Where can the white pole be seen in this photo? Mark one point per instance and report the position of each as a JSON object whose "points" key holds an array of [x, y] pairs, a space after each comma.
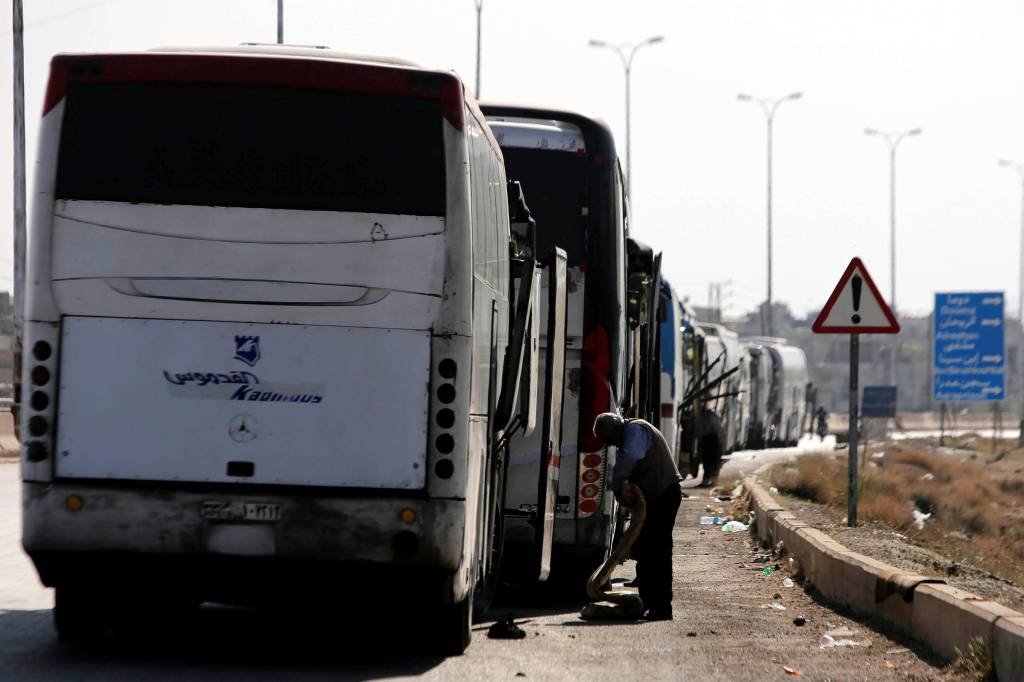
{"points": [[280, 22], [479, 12], [19, 186]]}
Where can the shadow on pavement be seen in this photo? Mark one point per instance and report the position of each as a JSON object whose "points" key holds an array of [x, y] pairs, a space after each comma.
{"points": [[599, 623], [881, 627], [223, 643]]}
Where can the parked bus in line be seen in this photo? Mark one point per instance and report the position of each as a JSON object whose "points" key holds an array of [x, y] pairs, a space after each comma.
{"points": [[724, 352], [267, 329], [787, 397], [568, 167], [670, 355], [778, 391]]}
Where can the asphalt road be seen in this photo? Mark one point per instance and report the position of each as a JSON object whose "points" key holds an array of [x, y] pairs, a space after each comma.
{"points": [[721, 631]]}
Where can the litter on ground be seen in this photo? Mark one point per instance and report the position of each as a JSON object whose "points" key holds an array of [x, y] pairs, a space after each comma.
{"points": [[843, 637]]}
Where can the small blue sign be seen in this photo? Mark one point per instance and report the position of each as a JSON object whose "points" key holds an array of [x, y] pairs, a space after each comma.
{"points": [[879, 401], [970, 347]]}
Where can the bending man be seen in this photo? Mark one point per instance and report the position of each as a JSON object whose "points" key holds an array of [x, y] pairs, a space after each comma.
{"points": [[645, 461]]}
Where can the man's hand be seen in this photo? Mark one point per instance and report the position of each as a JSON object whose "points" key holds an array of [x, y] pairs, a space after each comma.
{"points": [[627, 497]]}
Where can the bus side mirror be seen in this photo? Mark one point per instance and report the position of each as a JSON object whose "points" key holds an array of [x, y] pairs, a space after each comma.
{"points": [[524, 227]]}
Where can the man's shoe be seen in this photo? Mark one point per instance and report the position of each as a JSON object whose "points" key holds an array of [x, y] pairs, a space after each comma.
{"points": [[659, 613]]}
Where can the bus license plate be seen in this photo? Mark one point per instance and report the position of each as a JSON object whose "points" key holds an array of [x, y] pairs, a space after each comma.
{"points": [[215, 510]]}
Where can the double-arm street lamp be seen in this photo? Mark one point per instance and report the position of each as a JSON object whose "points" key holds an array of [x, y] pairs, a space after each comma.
{"points": [[626, 52], [1019, 167], [1006, 163], [769, 105], [892, 142], [479, 13]]}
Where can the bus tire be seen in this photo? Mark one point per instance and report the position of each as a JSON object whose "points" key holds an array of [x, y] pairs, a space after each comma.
{"points": [[454, 630], [79, 615]]}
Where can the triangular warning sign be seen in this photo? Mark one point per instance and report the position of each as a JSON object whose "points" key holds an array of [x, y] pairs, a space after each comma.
{"points": [[855, 306]]}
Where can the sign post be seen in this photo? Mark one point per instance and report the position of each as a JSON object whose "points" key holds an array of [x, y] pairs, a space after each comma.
{"points": [[855, 307]]}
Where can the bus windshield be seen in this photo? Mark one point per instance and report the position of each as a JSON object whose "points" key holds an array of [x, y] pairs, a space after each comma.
{"points": [[252, 146]]}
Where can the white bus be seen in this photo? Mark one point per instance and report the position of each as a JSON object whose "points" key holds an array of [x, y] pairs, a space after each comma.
{"points": [[267, 315]]}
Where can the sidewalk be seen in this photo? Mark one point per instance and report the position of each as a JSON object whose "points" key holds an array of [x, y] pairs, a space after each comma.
{"points": [[723, 597]]}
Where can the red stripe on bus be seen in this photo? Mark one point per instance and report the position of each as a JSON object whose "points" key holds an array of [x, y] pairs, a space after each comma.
{"points": [[271, 70]]}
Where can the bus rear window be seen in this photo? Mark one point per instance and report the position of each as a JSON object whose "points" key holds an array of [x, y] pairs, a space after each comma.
{"points": [[252, 146], [555, 186]]}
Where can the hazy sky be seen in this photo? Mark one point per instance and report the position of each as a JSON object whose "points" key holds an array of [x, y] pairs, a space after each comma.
{"points": [[698, 154]]}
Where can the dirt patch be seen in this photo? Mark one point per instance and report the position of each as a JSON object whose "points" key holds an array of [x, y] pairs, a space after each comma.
{"points": [[935, 511]]}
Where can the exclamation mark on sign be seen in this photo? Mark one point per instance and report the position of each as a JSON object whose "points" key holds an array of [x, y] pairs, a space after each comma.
{"points": [[855, 283]]}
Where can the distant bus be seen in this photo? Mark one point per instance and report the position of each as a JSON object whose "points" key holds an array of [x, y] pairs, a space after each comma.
{"points": [[268, 307], [760, 370], [568, 167], [724, 350], [670, 355], [778, 378], [787, 404]]}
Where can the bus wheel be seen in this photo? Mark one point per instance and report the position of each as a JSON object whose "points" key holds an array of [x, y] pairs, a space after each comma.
{"points": [[80, 615], [453, 632]]}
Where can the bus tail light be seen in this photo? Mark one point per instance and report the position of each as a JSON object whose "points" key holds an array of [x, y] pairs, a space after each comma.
{"points": [[667, 410], [448, 427], [595, 398], [591, 483], [36, 416]]}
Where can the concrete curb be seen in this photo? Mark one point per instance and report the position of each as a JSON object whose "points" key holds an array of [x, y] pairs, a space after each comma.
{"points": [[926, 609]]}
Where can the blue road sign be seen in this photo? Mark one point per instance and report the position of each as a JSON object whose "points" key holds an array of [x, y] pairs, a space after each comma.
{"points": [[970, 355], [879, 401]]}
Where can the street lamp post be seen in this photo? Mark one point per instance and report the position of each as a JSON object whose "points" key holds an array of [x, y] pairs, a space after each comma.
{"points": [[1006, 163], [626, 52], [479, 13], [892, 141], [769, 106], [280, 22]]}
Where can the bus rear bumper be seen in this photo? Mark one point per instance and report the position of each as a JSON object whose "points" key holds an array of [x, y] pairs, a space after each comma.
{"points": [[119, 531]]}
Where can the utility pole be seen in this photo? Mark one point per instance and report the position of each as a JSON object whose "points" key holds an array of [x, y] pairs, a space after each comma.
{"points": [[1006, 163], [892, 141], [626, 52], [479, 33], [280, 22], [19, 192], [769, 106], [716, 306]]}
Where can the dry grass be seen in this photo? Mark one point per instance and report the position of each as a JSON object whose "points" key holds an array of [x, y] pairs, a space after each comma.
{"points": [[977, 510]]}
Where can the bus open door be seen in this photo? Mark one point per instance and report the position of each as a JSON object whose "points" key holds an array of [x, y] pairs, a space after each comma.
{"points": [[517, 407]]}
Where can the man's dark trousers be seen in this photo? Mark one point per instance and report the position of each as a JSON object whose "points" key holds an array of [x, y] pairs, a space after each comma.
{"points": [[653, 550]]}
